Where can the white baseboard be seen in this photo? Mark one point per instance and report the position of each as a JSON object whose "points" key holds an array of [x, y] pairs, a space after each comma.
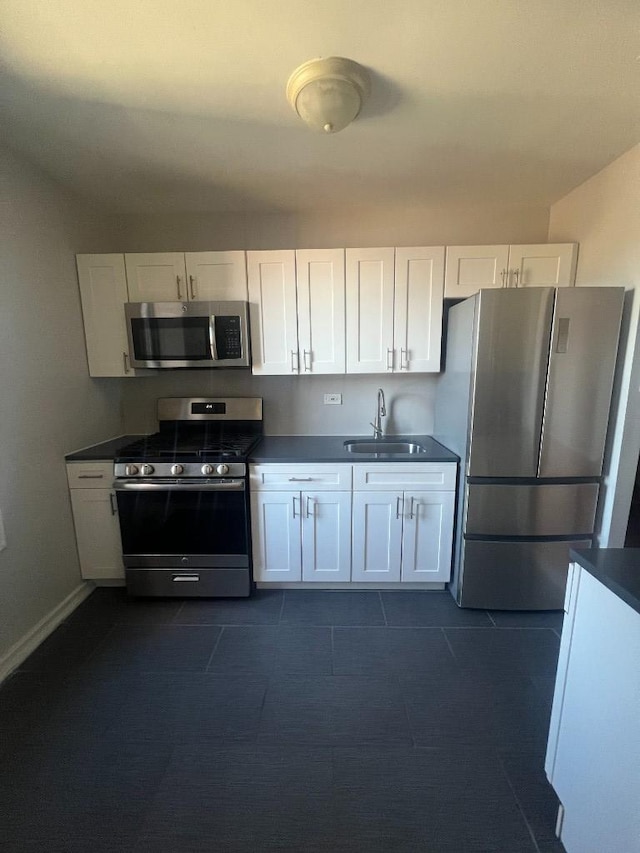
{"points": [[21, 650], [371, 587]]}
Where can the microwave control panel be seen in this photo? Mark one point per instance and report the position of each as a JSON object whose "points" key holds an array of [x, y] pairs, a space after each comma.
{"points": [[228, 337]]}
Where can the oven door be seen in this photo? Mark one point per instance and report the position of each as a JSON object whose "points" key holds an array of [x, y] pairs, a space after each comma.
{"points": [[183, 524]]}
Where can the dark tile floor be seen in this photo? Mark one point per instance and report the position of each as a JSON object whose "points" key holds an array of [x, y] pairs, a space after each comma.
{"points": [[291, 721]]}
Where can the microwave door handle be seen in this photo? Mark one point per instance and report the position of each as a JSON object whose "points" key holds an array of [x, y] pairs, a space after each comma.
{"points": [[213, 346]]}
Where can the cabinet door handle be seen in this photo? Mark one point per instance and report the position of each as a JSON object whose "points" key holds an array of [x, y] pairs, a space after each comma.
{"points": [[114, 505], [309, 504], [503, 276], [295, 361], [178, 287], [404, 359], [516, 277], [125, 361], [412, 513], [306, 353], [389, 358], [294, 506], [192, 283], [398, 499]]}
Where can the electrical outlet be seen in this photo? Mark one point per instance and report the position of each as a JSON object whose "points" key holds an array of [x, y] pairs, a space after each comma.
{"points": [[333, 399]]}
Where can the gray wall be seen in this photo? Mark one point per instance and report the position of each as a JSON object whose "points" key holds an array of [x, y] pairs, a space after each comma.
{"points": [[49, 403]]}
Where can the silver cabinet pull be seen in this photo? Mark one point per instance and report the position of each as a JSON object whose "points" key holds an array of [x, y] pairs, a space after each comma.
{"points": [[389, 358], [125, 361], [305, 353], [516, 277], [294, 506], [295, 361], [404, 359], [112, 501], [309, 505], [412, 513], [503, 276], [192, 283], [300, 479], [90, 476], [178, 287], [398, 499]]}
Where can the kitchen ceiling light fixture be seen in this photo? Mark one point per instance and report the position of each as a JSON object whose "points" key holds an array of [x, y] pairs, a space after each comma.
{"points": [[328, 93]]}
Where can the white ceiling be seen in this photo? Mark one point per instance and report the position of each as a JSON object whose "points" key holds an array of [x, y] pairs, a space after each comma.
{"points": [[179, 105]]}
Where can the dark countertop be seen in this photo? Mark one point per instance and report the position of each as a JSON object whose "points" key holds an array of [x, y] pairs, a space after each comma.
{"points": [[106, 450], [295, 448], [330, 448], [617, 568]]}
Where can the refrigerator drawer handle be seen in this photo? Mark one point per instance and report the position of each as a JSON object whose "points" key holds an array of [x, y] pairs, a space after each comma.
{"points": [[562, 342]]}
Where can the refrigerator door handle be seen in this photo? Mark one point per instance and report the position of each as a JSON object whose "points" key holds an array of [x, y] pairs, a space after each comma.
{"points": [[562, 341]]}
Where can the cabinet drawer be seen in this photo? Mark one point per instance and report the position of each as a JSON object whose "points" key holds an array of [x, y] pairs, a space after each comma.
{"points": [[90, 475], [320, 477], [386, 476]]}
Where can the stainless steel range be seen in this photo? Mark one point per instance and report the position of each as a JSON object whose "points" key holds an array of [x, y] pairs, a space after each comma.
{"points": [[183, 499]]}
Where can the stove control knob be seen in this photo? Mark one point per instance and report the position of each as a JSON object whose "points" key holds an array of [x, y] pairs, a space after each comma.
{"points": [[176, 470], [131, 470], [222, 469], [146, 470], [207, 469]]}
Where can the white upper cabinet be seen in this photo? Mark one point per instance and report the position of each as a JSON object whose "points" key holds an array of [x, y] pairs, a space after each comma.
{"points": [[417, 319], [321, 310], [216, 276], [297, 311], [553, 265], [103, 293], [469, 268], [156, 277], [370, 288], [190, 276], [273, 309], [394, 309]]}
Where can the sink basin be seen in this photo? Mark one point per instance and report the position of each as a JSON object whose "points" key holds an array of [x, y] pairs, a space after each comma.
{"points": [[382, 445]]}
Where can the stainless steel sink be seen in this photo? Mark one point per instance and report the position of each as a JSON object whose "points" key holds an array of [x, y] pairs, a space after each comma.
{"points": [[382, 445]]}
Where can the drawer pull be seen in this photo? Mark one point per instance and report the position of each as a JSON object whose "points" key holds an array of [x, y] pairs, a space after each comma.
{"points": [[185, 578], [91, 476], [300, 479]]}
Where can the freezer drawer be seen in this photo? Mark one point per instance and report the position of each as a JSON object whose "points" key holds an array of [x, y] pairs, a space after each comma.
{"points": [[539, 510], [523, 575]]}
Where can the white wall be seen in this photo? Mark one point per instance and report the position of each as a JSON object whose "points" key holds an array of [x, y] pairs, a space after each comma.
{"points": [[49, 403], [294, 405], [603, 215]]}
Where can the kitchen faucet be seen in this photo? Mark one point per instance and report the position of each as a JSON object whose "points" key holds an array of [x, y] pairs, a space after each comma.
{"points": [[380, 413]]}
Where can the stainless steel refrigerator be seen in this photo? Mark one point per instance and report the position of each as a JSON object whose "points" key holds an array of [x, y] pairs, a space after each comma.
{"points": [[524, 401]]}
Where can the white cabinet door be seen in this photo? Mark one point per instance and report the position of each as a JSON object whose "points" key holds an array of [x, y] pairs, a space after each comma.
{"points": [[156, 277], [216, 276], [468, 268], [370, 289], [97, 533], [321, 310], [377, 536], [545, 265], [326, 536], [273, 307], [426, 536], [103, 293], [417, 335], [276, 536]]}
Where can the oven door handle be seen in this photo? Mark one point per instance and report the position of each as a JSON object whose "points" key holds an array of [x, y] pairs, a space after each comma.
{"points": [[168, 486]]}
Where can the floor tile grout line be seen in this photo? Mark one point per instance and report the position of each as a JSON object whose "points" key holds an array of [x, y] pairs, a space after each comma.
{"points": [[488, 612], [333, 656], [448, 642], [215, 647], [384, 612], [518, 803], [284, 593]]}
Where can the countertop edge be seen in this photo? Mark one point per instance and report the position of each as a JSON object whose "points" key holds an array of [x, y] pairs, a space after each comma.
{"points": [[618, 569]]}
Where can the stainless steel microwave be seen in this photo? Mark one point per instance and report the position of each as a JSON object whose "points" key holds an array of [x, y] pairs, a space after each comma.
{"points": [[188, 334]]}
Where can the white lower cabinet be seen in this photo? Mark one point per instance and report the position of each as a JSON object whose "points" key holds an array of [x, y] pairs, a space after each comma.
{"points": [[322, 532], [402, 536], [95, 517]]}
